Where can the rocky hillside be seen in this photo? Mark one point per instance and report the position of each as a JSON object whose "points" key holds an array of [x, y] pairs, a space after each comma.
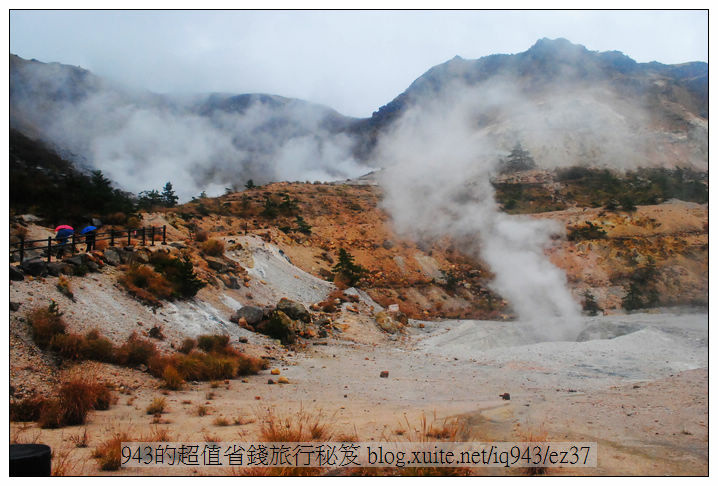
{"points": [[568, 105], [266, 263]]}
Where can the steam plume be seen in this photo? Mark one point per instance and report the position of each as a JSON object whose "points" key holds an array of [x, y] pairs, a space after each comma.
{"points": [[438, 183]]}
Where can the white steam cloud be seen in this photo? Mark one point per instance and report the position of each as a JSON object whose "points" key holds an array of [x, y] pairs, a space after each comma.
{"points": [[141, 140], [438, 183]]}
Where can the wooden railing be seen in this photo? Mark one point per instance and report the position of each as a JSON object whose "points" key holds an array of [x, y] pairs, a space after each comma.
{"points": [[146, 234]]}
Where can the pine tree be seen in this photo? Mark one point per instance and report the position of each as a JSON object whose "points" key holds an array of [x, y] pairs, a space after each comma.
{"points": [[303, 226], [168, 196], [518, 160], [150, 199], [347, 269]]}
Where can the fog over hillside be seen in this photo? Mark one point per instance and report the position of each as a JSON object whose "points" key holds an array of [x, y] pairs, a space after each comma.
{"points": [[565, 104]]}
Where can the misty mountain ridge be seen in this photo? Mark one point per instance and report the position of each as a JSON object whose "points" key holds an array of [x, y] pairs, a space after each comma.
{"points": [[565, 104]]}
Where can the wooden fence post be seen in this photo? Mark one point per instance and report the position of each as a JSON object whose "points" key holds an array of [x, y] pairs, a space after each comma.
{"points": [[143, 236], [152, 235], [164, 234], [22, 248], [49, 248], [73, 243], [112, 237], [129, 233]]}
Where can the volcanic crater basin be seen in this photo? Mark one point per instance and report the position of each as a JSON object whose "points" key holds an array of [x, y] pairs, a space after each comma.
{"points": [[634, 384]]}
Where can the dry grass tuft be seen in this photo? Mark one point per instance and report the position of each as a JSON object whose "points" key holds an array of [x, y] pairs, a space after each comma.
{"points": [[239, 420], [201, 236], [108, 454], [97, 348], [187, 346], [80, 441], [135, 351], [156, 434], [75, 398], [534, 435], [27, 409], [19, 436], [157, 406], [46, 323], [146, 285], [213, 342], [209, 437], [172, 380], [202, 410], [303, 426], [62, 464], [213, 247], [221, 422]]}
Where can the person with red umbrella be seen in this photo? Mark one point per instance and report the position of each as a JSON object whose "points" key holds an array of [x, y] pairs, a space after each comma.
{"points": [[63, 232]]}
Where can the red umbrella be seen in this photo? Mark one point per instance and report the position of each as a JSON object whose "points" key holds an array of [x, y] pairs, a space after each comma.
{"points": [[64, 226]]}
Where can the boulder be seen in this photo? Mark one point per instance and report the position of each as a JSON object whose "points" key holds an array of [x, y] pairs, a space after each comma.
{"points": [[16, 274], [56, 268], [253, 315], [323, 321], [295, 310], [93, 267], [177, 244], [111, 257], [142, 256], [77, 260], [30, 218], [127, 254], [37, 267], [230, 281], [387, 323], [242, 322], [401, 318], [216, 264], [281, 327]]}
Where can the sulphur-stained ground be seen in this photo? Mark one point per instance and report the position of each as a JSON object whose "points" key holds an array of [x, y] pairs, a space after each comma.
{"points": [[636, 384], [441, 279]]}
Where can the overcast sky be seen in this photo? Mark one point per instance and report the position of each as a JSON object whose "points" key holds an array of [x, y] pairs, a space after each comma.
{"points": [[351, 61]]}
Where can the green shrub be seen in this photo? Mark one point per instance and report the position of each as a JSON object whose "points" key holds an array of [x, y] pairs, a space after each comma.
{"points": [[180, 273], [146, 285], [590, 306], [588, 231], [347, 269]]}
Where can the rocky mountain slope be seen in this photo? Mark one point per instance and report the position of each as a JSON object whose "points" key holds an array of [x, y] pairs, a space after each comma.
{"points": [[567, 105]]}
